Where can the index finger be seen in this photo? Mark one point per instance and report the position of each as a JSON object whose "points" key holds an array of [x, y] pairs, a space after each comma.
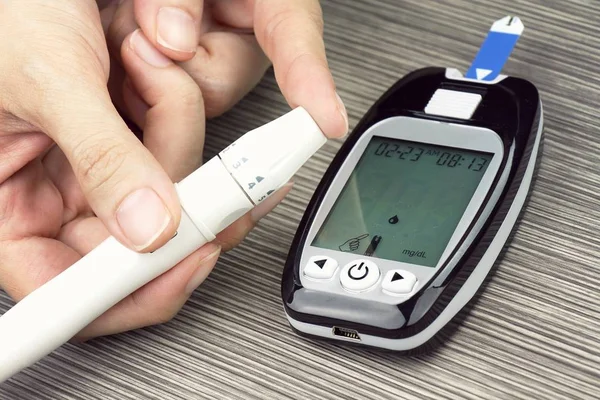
{"points": [[291, 34]]}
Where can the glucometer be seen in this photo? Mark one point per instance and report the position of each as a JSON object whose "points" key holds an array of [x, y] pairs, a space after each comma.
{"points": [[415, 209]]}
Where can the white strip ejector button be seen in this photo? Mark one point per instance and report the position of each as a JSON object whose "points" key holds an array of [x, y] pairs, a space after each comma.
{"points": [[452, 103]]}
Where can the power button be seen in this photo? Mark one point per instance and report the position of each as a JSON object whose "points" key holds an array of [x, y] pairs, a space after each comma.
{"points": [[359, 275]]}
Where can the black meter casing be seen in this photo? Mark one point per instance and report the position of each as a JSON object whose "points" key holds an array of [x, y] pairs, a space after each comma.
{"points": [[511, 108]]}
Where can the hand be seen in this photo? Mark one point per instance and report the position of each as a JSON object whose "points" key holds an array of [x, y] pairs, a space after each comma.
{"points": [[222, 45], [353, 244], [72, 173]]}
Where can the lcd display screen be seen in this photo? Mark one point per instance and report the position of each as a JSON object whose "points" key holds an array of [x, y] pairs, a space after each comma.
{"points": [[403, 201]]}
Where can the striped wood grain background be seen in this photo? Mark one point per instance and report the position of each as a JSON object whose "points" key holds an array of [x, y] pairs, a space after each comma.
{"points": [[535, 332]]}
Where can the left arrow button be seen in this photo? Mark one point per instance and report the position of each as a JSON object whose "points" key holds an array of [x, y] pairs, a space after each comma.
{"points": [[320, 267]]}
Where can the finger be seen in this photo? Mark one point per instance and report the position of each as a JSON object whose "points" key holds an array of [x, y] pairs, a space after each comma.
{"points": [[172, 26], [30, 213], [123, 183], [234, 234], [290, 32], [30, 204], [116, 88], [26, 264], [226, 67], [233, 13], [158, 301], [21, 272], [106, 15], [125, 98], [83, 234], [174, 123], [61, 174], [18, 149], [122, 24], [136, 107]]}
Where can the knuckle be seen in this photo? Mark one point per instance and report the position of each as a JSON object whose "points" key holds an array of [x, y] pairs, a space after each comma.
{"points": [[316, 16], [42, 75], [289, 72], [38, 75], [190, 96], [52, 79], [220, 93], [279, 20], [98, 163], [218, 101], [306, 18]]}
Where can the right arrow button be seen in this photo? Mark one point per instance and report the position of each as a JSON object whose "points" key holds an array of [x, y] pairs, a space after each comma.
{"points": [[396, 276], [398, 282]]}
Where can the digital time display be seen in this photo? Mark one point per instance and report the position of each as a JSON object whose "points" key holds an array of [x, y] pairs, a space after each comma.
{"points": [[403, 201], [444, 158]]}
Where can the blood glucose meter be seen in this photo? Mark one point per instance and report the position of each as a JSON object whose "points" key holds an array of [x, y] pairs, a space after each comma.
{"points": [[414, 210]]}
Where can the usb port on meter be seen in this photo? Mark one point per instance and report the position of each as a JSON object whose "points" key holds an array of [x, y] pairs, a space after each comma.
{"points": [[345, 333]]}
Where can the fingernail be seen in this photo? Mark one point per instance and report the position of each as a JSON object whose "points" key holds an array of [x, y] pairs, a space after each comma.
{"points": [[146, 51], [343, 111], [143, 217], [176, 30], [261, 210], [203, 269]]}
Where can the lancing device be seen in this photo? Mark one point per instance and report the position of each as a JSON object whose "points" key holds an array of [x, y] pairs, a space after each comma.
{"points": [[214, 196]]}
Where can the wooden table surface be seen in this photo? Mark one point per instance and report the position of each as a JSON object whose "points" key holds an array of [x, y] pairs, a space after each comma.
{"points": [[534, 333]]}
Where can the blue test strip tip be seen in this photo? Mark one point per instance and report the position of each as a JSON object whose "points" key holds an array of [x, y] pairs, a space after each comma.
{"points": [[496, 49]]}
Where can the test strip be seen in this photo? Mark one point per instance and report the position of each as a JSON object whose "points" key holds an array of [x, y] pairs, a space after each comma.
{"points": [[496, 49], [373, 245]]}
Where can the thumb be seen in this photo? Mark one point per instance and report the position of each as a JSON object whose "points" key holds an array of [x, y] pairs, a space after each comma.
{"points": [[124, 184]]}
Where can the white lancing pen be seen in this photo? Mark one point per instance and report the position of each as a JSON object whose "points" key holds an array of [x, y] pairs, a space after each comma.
{"points": [[212, 197]]}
